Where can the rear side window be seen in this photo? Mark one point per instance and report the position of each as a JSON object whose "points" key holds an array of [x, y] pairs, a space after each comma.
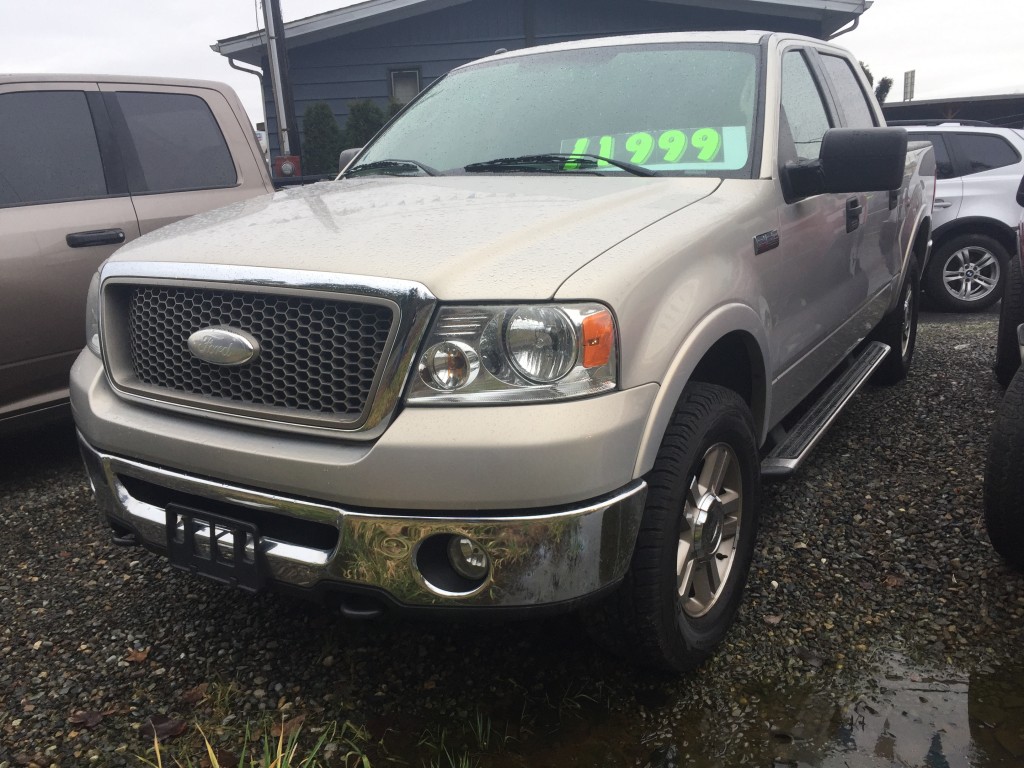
{"points": [[49, 148], [984, 152], [848, 92], [944, 165], [177, 141]]}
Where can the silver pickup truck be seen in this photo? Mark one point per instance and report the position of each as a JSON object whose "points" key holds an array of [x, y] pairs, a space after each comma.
{"points": [[533, 350]]}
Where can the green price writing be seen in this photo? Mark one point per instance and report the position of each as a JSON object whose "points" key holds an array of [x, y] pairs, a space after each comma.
{"points": [[672, 147]]}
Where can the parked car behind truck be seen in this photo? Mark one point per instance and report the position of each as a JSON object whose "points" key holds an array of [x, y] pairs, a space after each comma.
{"points": [[533, 352], [91, 163], [980, 170]]}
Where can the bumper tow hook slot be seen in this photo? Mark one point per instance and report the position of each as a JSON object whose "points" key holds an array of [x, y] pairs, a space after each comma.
{"points": [[126, 539]]}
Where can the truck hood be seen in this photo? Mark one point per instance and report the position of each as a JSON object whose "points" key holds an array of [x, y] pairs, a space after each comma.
{"points": [[463, 237]]}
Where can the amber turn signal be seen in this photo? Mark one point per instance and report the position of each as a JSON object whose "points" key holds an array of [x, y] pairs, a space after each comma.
{"points": [[598, 339]]}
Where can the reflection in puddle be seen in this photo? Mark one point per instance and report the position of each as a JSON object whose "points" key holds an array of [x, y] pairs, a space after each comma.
{"points": [[903, 716]]}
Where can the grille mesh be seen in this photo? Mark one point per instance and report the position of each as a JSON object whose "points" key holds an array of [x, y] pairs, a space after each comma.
{"points": [[316, 355]]}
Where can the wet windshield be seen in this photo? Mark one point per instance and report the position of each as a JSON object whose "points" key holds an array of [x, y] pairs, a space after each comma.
{"points": [[672, 109]]}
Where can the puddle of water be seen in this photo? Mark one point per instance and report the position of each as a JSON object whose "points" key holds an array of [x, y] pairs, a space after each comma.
{"points": [[903, 716]]}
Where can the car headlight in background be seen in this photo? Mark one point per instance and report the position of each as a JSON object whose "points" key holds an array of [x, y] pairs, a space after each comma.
{"points": [[92, 316], [516, 353]]}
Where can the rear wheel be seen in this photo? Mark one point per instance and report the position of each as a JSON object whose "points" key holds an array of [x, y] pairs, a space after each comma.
{"points": [[696, 540], [1004, 476], [898, 329], [966, 274]]}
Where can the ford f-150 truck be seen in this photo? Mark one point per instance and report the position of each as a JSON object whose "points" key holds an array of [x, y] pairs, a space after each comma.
{"points": [[532, 351]]}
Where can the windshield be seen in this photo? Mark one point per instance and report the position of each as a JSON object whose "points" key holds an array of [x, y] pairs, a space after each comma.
{"points": [[675, 109]]}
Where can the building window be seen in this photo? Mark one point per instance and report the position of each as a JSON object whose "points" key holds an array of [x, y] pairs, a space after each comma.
{"points": [[405, 85]]}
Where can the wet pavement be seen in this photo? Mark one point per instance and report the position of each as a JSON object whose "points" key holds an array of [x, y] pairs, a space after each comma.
{"points": [[879, 630], [902, 715]]}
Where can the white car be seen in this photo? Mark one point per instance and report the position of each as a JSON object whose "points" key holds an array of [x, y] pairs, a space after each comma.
{"points": [[980, 169]]}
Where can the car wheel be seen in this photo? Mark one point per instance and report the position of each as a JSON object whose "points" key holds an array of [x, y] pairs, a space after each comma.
{"points": [[1004, 480], [696, 539], [898, 329], [1011, 315], [966, 274]]}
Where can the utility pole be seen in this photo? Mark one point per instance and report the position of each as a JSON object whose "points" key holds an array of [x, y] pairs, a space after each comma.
{"points": [[287, 164]]}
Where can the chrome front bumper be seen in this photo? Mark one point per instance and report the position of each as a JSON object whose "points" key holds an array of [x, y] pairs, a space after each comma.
{"points": [[541, 557]]}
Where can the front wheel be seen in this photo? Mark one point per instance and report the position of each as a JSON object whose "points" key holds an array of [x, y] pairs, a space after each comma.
{"points": [[696, 539], [966, 274], [1004, 479]]}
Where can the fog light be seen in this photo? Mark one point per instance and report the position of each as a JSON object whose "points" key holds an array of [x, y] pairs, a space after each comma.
{"points": [[450, 365], [468, 558]]}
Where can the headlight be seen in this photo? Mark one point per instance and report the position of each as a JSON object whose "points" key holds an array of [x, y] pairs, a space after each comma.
{"points": [[541, 343], [92, 315], [509, 353]]}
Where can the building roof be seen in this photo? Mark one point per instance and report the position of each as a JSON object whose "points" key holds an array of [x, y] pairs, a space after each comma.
{"points": [[832, 14], [1005, 110]]}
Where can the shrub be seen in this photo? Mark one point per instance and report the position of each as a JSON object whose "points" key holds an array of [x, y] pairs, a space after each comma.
{"points": [[322, 140], [364, 120]]}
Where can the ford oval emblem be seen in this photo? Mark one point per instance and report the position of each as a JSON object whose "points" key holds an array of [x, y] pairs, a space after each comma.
{"points": [[223, 345]]}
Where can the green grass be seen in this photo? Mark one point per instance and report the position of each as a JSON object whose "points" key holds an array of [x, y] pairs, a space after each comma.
{"points": [[267, 751]]}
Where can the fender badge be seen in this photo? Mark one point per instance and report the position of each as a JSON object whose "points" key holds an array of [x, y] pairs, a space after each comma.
{"points": [[223, 345], [766, 241]]}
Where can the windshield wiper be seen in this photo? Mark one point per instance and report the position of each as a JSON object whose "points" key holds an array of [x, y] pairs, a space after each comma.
{"points": [[393, 165], [579, 158]]}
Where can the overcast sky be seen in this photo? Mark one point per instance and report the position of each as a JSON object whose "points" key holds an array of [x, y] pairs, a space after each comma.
{"points": [[958, 48]]}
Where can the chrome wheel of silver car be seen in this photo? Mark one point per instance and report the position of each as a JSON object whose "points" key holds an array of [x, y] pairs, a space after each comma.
{"points": [[971, 273], [966, 273], [709, 530]]}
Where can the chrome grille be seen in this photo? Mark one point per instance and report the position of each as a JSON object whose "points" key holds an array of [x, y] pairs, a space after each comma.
{"points": [[318, 355]]}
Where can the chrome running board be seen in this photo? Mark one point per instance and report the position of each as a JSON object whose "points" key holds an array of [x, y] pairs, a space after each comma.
{"points": [[790, 453]]}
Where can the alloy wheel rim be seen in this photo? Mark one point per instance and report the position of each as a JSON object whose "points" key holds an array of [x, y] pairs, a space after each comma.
{"points": [[971, 273], [709, 530]]}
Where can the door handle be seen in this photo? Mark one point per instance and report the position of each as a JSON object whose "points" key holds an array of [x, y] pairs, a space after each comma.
{"points": [[942, 204], [95, 237], [853, 212]]}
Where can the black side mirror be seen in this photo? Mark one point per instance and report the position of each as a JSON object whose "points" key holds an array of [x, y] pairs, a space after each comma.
{"points": [[864, 159], [346, 157], [851, 160]]}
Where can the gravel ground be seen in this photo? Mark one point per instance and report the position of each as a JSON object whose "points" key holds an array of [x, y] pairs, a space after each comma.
{"points": [[875, 546]]}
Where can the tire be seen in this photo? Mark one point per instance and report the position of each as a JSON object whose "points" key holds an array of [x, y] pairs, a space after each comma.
{"points": [[966, 274], [685, 582], [1011, 314], [898, 329], [1004, 478]]}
